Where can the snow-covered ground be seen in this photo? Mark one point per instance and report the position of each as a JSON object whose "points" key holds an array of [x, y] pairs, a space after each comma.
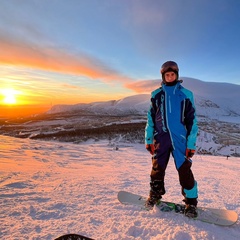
{"points": [[49, 188]]}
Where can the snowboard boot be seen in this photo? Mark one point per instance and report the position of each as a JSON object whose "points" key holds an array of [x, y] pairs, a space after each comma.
{"points": [[156, 191], [190, 211], [191, 207]]}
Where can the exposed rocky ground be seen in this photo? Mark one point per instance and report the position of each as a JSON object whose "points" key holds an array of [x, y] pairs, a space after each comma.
{"points": [[82, 126]]}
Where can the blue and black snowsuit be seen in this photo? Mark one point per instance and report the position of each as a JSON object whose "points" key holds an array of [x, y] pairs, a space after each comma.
{"points": [[172, 128]]}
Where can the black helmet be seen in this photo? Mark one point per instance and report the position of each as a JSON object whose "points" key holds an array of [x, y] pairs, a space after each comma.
{"points": [[169, 66]]}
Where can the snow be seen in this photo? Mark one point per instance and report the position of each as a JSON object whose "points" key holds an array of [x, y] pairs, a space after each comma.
{"points": [[49, 188]]}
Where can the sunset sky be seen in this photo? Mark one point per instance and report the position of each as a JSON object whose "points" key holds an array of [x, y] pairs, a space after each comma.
{"points": [[76, 51]]}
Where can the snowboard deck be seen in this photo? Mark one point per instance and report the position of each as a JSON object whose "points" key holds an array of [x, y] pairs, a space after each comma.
{"points": [[73, 237], [221, 217]]}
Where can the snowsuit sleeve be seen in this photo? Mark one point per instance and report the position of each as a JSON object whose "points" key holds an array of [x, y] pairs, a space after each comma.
{"points": [[191, 122], [150, 126]]}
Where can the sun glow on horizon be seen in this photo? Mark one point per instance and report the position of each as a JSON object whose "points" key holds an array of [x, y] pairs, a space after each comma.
{"points": [[9, 96]]}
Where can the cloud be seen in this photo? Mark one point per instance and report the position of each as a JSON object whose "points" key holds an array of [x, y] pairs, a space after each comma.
{"points": [[70, 86], [144, 86], [21, 53]]}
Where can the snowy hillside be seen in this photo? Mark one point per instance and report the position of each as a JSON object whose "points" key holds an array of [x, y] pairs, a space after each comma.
{"points": [[137, 104], [217, 109], [218, 101], [49, 188]]}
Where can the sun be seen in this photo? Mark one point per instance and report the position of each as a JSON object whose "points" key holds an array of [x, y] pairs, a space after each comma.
{"points": [[9, 96]]}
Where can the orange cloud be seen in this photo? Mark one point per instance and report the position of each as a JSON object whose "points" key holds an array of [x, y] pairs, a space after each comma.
{"points": [[144, 86], [69, 86], [19, 53]]}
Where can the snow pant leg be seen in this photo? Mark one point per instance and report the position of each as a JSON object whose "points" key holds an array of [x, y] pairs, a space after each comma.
{"points": [[186, 177], [157, 179], [188, 183], [158, 170], [159, 165], [160, 158]]}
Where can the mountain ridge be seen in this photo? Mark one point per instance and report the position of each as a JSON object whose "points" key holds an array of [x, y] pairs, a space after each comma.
{"points": [[213, 100]]}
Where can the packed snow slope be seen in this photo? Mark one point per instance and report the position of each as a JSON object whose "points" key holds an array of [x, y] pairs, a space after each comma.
{"points": [[49, 188], [212, 99]]}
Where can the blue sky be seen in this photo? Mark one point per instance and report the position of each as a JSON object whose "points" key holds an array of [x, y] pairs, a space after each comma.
{"points": [[71, 51]]}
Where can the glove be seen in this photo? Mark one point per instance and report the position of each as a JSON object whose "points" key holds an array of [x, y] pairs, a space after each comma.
{"points": [[189, 153], [150, 148]]}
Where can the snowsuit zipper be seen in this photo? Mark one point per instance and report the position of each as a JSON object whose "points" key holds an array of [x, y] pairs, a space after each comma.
{"points": [[168, 102]]}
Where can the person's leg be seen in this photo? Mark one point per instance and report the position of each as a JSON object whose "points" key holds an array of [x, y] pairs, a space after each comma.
{"points": [[159, 164], [186, 177], [187, 181]]}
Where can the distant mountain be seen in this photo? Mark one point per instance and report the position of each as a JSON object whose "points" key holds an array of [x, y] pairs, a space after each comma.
{"points": [[212, 99], [123, 121], [216, 100], [137, 104]]}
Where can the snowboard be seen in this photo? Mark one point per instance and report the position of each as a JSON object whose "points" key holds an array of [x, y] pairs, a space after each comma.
{"points": [[73, 237], [221, 217]]}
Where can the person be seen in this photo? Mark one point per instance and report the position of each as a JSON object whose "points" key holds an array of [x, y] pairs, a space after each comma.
{"points": [[172, 129]]}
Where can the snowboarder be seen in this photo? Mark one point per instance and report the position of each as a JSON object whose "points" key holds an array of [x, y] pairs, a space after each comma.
{"points": [[172, 129]]}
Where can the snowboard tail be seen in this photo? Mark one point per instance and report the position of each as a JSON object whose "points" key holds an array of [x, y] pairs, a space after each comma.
{"points": [[221, 217]]}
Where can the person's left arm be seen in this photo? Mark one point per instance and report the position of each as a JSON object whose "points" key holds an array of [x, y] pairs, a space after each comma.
{"points": [[191, 125]]}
